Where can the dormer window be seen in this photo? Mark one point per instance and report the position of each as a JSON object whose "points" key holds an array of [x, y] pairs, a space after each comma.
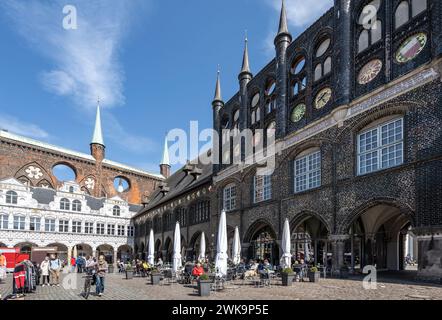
{"points": [[65, 204], [11, 197], [116, 211], [71, 189], [76, 206]]}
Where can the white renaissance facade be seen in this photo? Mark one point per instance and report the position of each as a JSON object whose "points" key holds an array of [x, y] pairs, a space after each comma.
{"points": [[67, 218]]}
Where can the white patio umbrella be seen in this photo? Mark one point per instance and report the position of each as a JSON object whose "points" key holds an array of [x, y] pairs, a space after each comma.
{"points": [[202, 255], [221, 247], [75, 253], [151, 249], [236, 248], [286, 259], [177, 263]]}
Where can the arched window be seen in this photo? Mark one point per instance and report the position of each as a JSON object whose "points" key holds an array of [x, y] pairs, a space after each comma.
{"points": [[262, 187], [270, 132], [402, 15], [76, 206], [371, 26], [11, 197], [199, 212], [229, 197], [181, 216], [271, 105], [381, 146], [116, 211], [298, 75], [408, 9], [307, 170], [324, 67], [65, 204]]}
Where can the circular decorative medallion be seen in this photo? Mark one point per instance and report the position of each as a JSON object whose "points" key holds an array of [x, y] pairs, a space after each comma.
{"points": [[34, 172], [323, 98], [370, 71], [298, 113], [411, 48]]}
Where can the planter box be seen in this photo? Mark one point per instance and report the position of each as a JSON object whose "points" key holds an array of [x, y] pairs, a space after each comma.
{"points": [[287, 279], [314, 276], [129, 275], [204, 288], [155, 278]]}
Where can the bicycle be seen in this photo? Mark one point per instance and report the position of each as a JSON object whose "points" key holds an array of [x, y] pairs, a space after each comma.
{"points": [[88, 282]]}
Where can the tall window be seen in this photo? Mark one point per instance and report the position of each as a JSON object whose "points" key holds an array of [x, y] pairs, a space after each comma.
{"points": [[63, 226], [381, 147], [121, 231], [111, 229], [50, 225], [199, 212], [76, 206], [180, 215], [4, 222], [270, 106], [35, 224], [76, 226], [371, 26], [408, 9], [11, 197], [100, 228], [116, 211], [262, 188], [89, 227], [19, 223], [65, 204], [130, 231], [230, 197], [308, 172]]}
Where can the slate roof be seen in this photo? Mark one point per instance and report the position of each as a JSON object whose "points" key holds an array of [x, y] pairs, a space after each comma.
{"points": [[43, 196], [179, 184]]}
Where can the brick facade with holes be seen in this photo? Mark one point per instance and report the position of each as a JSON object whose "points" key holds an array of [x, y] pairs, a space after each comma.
{"points": [[33, 164]]}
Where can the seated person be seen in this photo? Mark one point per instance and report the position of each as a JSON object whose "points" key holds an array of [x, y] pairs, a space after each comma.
{"points": [[198, 270]]}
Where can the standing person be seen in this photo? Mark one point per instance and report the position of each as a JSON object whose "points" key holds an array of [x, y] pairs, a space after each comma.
{"points": [[73, 264], [44, 269], [3, 266], [102, 268], [55, 267], [79, 264]]}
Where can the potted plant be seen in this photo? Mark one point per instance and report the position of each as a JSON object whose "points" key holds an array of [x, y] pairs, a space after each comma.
{"points": [[204, 285], [129, 272], [155, 276], [314, 275], [287, 277]]}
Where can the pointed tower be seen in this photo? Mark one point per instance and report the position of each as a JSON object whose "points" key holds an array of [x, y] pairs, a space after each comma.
{"points": [[97, 144], [282, 42], [217, 105], [245, 76], [165, 163]]}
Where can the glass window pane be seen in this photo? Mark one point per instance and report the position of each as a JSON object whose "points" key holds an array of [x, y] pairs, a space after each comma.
{"points": [[402, 15], [376, 32], [419, 6], [363, 41]]}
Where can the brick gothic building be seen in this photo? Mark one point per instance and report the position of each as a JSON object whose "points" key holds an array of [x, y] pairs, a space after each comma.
{"points": [[357, 106], [92, 214]]}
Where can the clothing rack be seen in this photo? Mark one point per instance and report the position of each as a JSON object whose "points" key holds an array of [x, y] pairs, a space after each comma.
{"points": [[24, 278]]}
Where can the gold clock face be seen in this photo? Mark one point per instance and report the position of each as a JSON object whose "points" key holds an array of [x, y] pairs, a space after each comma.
{"points": [[370, 71], [298, 113], [323, 98], [411, 48]]}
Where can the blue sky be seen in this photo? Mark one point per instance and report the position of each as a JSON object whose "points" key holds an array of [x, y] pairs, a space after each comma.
{"points": [[153, 63]]}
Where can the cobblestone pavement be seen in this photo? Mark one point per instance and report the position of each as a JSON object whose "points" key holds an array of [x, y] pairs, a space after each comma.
{"points": [[118, 288]]}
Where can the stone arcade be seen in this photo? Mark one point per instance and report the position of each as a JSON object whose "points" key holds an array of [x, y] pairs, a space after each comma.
{"points": [[358, 114]]}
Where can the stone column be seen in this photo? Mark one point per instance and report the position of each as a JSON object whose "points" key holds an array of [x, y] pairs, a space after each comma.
{"points": [[115, 261], [69, 257], [338, 248]]}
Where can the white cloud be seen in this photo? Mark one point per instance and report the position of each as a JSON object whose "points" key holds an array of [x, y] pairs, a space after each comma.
{"points": [[16, 126], [85, 61], [301, 13]]}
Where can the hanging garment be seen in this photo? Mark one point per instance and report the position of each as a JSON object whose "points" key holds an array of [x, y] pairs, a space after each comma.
{"points": [[19, 281]]}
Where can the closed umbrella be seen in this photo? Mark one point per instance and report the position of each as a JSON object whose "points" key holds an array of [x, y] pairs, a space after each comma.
{"points": [[221, 248], [202, 255], [75, 253], [286, 259], [236, 248], [151, 249], [177, 263]]}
